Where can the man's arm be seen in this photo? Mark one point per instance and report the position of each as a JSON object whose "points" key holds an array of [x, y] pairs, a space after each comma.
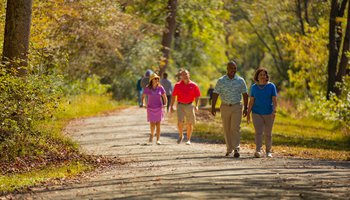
{"points": [[172, 103], [196, 103], [213, 103], [245, 103]]}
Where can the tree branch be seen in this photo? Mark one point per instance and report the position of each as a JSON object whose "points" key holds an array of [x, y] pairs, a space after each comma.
{"points": [[262, 40]]}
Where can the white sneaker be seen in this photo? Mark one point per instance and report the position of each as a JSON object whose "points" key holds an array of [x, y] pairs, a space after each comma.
{"points": [[269, 155], [158, 142], [188, 142], [257, 154]]}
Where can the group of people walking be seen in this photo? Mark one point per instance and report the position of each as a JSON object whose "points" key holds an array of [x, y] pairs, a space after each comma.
{"points": [[231, 88]]}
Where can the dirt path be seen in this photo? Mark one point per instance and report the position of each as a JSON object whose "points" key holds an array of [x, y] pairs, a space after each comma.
{"points": [[199, 171]]}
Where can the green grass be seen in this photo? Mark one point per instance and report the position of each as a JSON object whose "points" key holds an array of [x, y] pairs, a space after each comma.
{"points": [[12, 182], [49, 149], [304, 137], [79, 107], [87, 105]]}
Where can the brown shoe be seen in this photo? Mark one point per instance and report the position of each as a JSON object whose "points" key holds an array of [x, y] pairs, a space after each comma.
{"points": [[236, 154]]}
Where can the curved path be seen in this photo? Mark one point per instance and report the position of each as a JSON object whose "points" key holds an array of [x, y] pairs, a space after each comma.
{"points": [[198, 171]]}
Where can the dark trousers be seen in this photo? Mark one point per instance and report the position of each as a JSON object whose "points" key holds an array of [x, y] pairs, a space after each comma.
{"points": [[168, 103]]}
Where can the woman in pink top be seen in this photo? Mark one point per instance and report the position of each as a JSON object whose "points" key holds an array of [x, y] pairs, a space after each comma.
{"points": [[155, 107]]}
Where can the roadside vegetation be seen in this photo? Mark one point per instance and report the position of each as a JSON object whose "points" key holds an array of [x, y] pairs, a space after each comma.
{"points": [[50, 153], [79, 55]]}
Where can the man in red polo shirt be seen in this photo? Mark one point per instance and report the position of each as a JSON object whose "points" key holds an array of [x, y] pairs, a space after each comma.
{"points": [[186, 92]]}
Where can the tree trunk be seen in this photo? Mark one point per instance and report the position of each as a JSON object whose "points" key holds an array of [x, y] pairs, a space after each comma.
{"points": [[344, 62], [300, 16], [177, 43], [17, 31], [335, 39], [168, 35], [306, 11], [333, 51]]}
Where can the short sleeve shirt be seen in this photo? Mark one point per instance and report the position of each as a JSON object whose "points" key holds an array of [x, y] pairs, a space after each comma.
{"points": [[154, 97], [186, 93], [263, 104], [230, 90], [167, 86], [144, 82]]}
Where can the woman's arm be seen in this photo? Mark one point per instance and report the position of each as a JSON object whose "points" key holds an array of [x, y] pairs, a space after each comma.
{"points": [[165, 100], [250, 106], [274, 100], [142, 99]]}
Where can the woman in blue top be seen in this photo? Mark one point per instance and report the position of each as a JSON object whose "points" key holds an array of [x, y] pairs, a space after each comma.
{"points": [[263, 104]]}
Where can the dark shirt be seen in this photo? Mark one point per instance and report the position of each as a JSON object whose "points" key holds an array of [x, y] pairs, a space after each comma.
{"points": [[138, 85], [210, 92]]}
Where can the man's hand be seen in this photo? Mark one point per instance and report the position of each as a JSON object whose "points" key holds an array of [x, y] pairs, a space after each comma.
{"points": [[196, 108], [172, 109], [245, 111], [213, 111]]}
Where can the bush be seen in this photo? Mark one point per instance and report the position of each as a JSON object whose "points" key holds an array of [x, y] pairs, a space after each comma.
{"points": [[92, 85], [124, 86], [335, 109], [24, 100]]}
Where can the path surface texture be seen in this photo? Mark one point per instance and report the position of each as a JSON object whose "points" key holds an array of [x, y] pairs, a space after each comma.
{"points": [[197, 171]]}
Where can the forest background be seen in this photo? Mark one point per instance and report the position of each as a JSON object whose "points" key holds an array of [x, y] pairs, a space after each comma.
{"points": [[84, 49]]}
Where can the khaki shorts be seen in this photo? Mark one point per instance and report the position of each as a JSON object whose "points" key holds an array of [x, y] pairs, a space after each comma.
{"points": [[186, 111]]}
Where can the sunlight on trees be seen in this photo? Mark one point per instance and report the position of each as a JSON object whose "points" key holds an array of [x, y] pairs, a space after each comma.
{"points": [[113, 42]]}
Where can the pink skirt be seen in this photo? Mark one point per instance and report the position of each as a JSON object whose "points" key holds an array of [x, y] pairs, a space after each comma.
{"points": [[155, 114]]}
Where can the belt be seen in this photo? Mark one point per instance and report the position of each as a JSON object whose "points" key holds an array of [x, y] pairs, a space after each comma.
{"points": [[184, 103], [231, 104]]}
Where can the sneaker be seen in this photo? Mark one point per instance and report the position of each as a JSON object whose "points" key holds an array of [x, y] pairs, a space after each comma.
{"points": [[179, 140], [269, 155], [158, 142], [236, 154], [257, 154], [188, 142]]}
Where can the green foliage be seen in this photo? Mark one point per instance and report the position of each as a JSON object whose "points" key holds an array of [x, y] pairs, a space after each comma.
{"points": [[308, 74], [200, 46], [92, 85], [335, 109], [124, 87], [88, 38], [2, 24], [25, 100], [199, 41], [77, 45], [254, 29]]}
